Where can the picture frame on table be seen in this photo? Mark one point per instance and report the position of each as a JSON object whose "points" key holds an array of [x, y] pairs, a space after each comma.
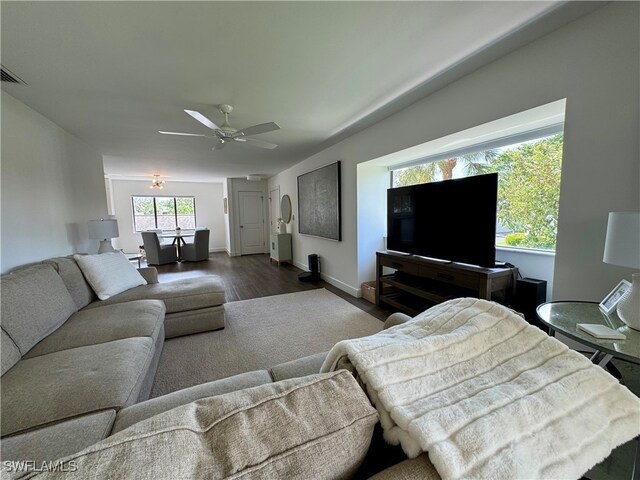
{"points": [[611, 301]]}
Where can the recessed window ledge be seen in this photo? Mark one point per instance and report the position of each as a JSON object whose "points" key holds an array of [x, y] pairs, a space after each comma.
{"points": [[530, 251]]}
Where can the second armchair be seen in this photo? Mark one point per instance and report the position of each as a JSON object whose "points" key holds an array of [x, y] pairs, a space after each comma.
{"points": [[158, 254], [199, 249]]}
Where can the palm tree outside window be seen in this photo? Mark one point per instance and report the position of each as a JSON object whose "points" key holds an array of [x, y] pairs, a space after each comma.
{"points": [[528, 187]]}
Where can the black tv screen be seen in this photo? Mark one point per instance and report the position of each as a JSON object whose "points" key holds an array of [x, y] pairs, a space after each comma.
{"points": [[451, 220]]}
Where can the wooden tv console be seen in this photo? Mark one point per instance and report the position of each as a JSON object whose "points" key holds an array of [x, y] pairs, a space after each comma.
{"points": [[418, 283]]}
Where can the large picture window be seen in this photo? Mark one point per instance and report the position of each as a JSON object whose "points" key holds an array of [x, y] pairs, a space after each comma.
{"points": [[163, 213], [528, 187]]}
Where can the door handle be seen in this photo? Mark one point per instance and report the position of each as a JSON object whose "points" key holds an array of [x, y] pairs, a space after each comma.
{"points": [[241, 226]]}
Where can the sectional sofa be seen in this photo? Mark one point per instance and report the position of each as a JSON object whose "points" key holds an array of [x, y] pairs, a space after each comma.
{"points": [[77, 372], [70, 362]]}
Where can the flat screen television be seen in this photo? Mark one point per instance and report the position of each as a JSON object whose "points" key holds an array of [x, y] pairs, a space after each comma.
{"points": [[452, 220]]}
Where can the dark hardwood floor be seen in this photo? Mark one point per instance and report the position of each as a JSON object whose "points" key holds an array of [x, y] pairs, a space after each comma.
{"points": [[253, 276]]}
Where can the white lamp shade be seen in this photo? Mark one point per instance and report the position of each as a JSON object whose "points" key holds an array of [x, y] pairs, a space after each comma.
{"points": [[103, 229], [622, 244]]}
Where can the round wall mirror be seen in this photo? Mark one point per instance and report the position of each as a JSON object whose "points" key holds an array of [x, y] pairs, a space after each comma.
{"points": [[285, 208]]}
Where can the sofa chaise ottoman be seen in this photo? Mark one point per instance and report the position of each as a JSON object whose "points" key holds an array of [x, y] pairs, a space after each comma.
{"points": [[193, 304]]}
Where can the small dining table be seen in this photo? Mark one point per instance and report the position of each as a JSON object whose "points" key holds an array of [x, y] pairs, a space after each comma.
{"points": [[178, 238]]}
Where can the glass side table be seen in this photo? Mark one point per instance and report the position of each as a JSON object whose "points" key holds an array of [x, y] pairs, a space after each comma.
{"points": [[563, 317], [134, 257]]}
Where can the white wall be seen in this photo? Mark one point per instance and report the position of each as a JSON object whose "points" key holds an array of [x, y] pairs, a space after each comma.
{"points": [[52, 184], [531, 264], [338, 262], [373, 183], [593, 63], [209, 209]]}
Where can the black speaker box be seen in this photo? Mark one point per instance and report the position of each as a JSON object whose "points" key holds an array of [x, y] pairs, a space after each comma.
{"points": [[530, 292], [314, 266], [313, 263]]}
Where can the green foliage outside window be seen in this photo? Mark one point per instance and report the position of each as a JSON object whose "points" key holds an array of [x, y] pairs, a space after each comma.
{"points": [[473, 164], [528, 186], [529, 190], [164, 213], [165, 206], [515, 239], [185, 205], [143, 205]]}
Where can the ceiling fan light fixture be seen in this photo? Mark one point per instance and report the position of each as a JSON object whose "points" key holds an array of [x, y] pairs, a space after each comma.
{"points": [[225, 133], [157, 183]]}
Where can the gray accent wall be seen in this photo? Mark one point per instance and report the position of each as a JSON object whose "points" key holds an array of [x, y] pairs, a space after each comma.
{"points": [[52, 184], [593, 62]]}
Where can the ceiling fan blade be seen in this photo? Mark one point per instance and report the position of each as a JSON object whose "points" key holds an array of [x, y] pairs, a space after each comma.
{"points": [[202, 119], [256, 143], [256, 129], [184, 134]]}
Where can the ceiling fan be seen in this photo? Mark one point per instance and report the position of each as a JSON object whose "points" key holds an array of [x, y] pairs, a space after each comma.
{"points": [[225, 133]]}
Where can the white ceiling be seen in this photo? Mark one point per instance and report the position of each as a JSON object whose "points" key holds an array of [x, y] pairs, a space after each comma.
{"points": [[114, 73]]}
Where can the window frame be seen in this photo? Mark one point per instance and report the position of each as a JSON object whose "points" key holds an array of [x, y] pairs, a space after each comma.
{"points": [[155, 209]]}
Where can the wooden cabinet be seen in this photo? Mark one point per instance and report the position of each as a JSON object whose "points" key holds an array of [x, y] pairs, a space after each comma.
{"points": [[416, 283], [280, 247]]}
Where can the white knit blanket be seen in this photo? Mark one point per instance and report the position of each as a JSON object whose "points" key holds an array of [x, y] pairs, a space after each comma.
{"points": [[489, 396]]}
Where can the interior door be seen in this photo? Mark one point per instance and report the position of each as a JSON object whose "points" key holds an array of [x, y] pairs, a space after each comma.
{"points": [[274, 209], [251, 223]]}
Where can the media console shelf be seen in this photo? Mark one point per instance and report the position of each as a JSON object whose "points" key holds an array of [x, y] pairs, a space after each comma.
{"points": [[418, 283]]}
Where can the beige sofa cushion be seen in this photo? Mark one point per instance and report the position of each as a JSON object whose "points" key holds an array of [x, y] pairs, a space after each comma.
{"points": [[143, 410], [194, 321], [142, 318], [179, 296], [58, 440], [8, 352], [290, 429], [61, 385], [72, 276], [35, 302], [299, 367], [419, 468]]}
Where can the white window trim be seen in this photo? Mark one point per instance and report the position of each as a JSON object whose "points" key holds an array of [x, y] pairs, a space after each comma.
{"points": [[155, 213], [480, 147], [530, 251]]}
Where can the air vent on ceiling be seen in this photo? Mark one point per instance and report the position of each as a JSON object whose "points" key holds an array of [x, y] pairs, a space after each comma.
{"points": [[7, 76]]}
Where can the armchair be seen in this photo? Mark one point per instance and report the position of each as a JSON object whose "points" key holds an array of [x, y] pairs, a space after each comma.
{"points": [[158, 254], [199, 249]]}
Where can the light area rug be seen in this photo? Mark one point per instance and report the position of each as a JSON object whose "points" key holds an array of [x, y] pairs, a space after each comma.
{"points": [[261, 333]]}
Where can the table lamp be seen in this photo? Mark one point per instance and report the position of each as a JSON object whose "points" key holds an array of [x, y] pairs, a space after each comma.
{"points": [[622, 248], [104, 230]]}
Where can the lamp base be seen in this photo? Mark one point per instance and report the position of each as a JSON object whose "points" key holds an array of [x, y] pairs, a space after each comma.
{"points": [[105, 246], [629, 305]]}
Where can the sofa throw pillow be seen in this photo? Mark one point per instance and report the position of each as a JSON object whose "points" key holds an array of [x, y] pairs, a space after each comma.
{"points": [[319, 426], [109, 273], [35, 302]]}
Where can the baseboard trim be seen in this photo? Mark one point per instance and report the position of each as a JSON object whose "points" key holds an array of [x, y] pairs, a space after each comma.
{"points": [[217, 249], [354, 292]]}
